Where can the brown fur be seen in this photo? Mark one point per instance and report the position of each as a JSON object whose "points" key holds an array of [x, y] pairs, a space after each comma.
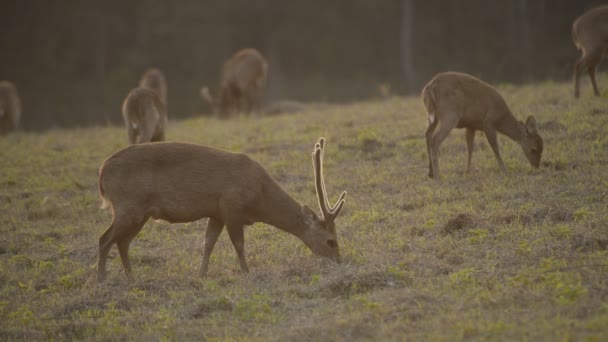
{"points": [[179, 182], [457, 100], [144, 115], [154, 79], [590, 36], [242, 86], [10, 107]]}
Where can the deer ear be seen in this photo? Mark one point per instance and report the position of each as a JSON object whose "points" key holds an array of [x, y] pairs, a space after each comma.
{"points": [[309, 216], [531, 125]]}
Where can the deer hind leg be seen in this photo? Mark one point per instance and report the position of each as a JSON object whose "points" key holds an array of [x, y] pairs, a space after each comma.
{"points": [[237, 236], [593, 61], [429, 136], [449, 122], [491, 136], [214, 229], [588, 62], [123, 243], [122, 230], [470, 136], [578, 67], [105, 243]]}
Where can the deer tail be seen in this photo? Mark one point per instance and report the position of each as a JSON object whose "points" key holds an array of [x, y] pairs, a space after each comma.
{"points": [[104, 202], [428, 97]]}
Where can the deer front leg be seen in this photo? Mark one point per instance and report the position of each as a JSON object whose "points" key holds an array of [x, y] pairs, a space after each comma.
{"points": [[237, 236], [491, 136], [214, 229], [429, 139], [470, 136]]}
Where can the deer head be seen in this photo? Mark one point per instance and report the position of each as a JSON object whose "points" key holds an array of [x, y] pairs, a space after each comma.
{"points": [[322, 239], [532, 143]]}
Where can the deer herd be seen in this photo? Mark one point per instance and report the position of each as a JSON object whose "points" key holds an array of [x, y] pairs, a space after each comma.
{"points": [[181, 182]]}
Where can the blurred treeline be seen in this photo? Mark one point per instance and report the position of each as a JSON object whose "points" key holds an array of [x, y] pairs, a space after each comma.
{"points": [[75, 60]]}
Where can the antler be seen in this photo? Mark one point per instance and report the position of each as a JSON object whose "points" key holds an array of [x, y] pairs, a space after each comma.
{"points": [[329, 212]]}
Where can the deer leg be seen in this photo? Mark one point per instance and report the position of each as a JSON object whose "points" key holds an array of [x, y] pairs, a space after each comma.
{"points": [[237, 236], [449, 122], [591, 68], [577, 75], [491, 136], [214, 229], [120, 228], [105, 243], [429, 136], [470, 136], [123, 246]]}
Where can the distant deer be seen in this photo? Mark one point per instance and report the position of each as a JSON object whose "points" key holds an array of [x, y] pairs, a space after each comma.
{"points": [[145, 116], [590, 35], [154, 79], [10, 107], [242, 85], [185, 182], [457, 100]]}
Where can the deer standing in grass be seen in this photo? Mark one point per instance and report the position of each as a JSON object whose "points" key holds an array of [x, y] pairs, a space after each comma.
{"points": [[154, 79], [10, 107], [590, 36], [145, 116], [457, 100], [185, 182], [243, 81]]}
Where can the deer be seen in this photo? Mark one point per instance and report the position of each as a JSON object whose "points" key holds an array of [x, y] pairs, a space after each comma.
{"points": [[155, 80], [590, 36], [186, 182], [457, 100], [242, 85], [10, 107], [145, 116]]}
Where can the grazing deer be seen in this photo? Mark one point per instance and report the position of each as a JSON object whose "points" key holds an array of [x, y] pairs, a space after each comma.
{"points": [[145, 116], [185, 182], [242, 85], [10, 107], [457, 100], [154, 79], [590, 36]]}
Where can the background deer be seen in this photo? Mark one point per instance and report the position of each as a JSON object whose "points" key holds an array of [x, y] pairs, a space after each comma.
{"points": [[590, 36], [185, 182], [144, 115], [10, 107], [457, 100], [154, 79], [243, 81]]}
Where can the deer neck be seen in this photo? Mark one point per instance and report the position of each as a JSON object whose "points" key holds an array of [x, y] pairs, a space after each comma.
{"points": [[510, 127], [280, 210]]}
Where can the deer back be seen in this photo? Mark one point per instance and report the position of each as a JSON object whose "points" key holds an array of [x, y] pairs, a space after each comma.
{"points": [[10, 107], [590, 30], [144, 115], [457, 94], [154, 79], [181, 182], [245, 71]]}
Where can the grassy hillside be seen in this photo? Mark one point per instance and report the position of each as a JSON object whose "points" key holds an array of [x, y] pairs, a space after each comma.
{"points": [[480, 256]]}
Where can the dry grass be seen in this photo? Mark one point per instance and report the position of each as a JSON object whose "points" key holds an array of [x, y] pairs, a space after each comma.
{"points": [[480, 256]]}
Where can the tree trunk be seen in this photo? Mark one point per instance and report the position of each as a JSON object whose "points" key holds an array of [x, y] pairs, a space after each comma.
{"points": [[407, 35]]}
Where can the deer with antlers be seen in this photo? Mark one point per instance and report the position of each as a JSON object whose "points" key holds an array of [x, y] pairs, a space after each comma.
{"points": [[590, 36], [187, 182], [457, 100]]}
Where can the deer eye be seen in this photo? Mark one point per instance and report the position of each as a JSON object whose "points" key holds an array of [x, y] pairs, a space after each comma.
{"points": [[331, 243]]}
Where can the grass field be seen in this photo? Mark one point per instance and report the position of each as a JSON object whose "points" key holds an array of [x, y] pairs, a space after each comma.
{"points": [[517, 256]]}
